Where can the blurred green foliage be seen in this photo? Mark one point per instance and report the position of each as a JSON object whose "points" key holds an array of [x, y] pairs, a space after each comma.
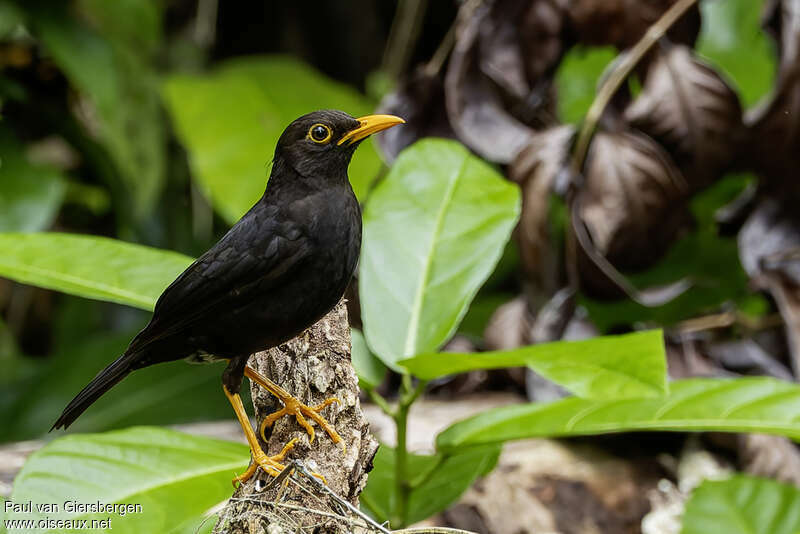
{"points": [[30, 194], [112, 87], [732, 39], [577, 78], [437, 482], [109, 59]]}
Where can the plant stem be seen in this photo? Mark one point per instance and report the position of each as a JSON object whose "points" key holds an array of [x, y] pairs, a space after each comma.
{"points": [[403, 35], [381, 402], [403, 488], [408, 395]]}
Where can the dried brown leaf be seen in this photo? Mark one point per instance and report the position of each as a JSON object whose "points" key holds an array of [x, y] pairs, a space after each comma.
{"points": [[782, 20], [688, 108], [633, 202], [774, 131], [747, 357], [622, 23], [509, 326], [686, 359], [769, 249], [497, 87], [770, 456]]}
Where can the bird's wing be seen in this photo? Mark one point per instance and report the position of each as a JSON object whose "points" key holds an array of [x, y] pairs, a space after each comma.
{"points": [[256, 252]]}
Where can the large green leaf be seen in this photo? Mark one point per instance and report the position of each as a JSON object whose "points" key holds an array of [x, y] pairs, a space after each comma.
{"points": [[631, 365], [112, 70], [433, 231], [763, 405], [10, 18], [731, 39], [437, 481], [743, 505], [30, 195], [174, 477], [91, 267], [230, 120]]}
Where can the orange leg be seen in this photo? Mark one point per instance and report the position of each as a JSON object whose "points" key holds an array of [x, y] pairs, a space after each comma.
{"points": [[292, 406], [270, 464]]}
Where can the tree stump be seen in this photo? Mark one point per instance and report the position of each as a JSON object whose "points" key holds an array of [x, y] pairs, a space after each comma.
{"points": [[313, 366]]}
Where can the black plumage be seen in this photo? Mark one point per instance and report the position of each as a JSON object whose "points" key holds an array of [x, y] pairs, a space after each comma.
{"points": [[283, 266]]}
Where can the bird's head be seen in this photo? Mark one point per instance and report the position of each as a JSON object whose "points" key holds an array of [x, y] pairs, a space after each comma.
{"points": [[321, 143]]}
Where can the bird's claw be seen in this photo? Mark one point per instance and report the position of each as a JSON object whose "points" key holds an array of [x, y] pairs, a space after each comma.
{"points": [[292, 406], [270, 464]]}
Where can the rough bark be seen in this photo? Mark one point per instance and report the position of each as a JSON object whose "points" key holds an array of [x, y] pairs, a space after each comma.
{"points": [[313, 366]]}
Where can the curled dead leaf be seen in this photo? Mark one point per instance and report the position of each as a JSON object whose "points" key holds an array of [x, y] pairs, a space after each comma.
{"points": [[622, 23], [769, 249], [687, 107], [633, 202], [497, 87], [769, 456], [509, 326], [747, 357], [781, 19]]}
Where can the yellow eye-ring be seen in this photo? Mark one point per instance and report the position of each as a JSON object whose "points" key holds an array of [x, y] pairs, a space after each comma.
{"points": [[320, 133]]}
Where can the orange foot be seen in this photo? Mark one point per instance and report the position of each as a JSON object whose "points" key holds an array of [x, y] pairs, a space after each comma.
{"points": [[292, 406], [270, 464]]}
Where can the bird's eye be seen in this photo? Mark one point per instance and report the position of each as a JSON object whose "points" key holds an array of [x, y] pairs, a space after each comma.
{"points": [[319, 133]]}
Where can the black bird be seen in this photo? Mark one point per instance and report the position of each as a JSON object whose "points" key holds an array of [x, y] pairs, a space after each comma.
{"points": [[282, 267]]}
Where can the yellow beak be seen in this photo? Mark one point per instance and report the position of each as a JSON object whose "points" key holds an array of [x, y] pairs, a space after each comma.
{"points": [[370, 124]]}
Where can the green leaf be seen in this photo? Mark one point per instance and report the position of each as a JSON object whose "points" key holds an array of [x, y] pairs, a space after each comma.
{"points": [[174, 477], [369, 368], [10, 18], [230, 120], [437, 481], [92, 267], [743, 505], [576, 79], [169, 393], [630, 365], [121, 84], [732, 40], [136, 24], [30, 195], [433, 232], [763, 405]]}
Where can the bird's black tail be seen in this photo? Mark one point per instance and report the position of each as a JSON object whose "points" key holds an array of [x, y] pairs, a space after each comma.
{"points": [[105, 380]]}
